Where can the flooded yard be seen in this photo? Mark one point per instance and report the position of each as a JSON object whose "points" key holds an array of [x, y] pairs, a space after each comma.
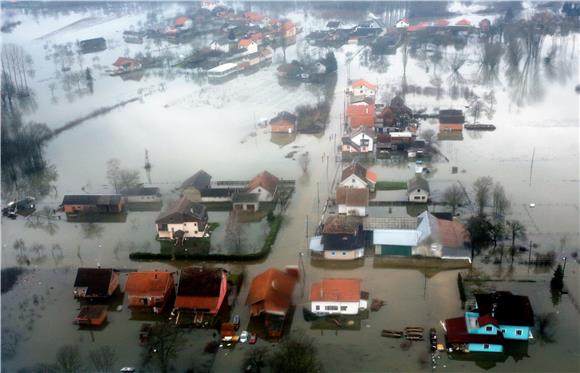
{"points": [[186, 124]]}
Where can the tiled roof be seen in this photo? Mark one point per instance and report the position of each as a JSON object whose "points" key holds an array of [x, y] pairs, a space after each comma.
{"points": [[183, 211], [121, 61], [352, 196], [354, 169], [416, 183], [148, 283], [265, 180], [509, 309], [271, 292], [92, 199], [338, 224], [452, 233], [96, 280], [200, 180], [457, 333], [199, 288], [362, 82], [336, 290]]}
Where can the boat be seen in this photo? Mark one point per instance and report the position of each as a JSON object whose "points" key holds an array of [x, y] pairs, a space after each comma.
{"points": [[479, 127], [391, 333]]}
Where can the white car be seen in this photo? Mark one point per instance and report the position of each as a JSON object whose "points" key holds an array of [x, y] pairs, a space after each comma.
{"points": [[244, 336]]}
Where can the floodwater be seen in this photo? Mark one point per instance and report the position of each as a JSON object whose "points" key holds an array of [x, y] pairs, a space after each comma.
{"points": [[186, 125]]}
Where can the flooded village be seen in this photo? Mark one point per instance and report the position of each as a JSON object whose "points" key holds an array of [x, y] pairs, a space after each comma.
{"points": [[290, 186]]}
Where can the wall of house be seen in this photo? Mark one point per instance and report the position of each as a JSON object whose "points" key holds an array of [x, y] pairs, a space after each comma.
{"points": [[246, 206], [263, 194], [511, 332], [344, 254], [344, 308], [419, 196], [483, 347], [353, 181], [143, 199], [114, 284], [190, 228], [217, 199], [368, 148], [352, 210], [393, 250], [363, 91]]}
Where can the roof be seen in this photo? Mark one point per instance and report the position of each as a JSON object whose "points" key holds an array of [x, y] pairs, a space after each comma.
{"points": [[253, 16], [399, 237], [457, 333], [245, 42], [180, 21], [452, 233], [183, 211], [245, 197], [362, 82], [333, 24], [463, 22], [265, 180], [284, 116], [141, 191], [216, 192], [418, 27], [352, 196], [287, 25], [486, 320], [371, 176], [122, 61], [417, 182], [509, 309], [362, 130], [200, 180], [452, 126], [361, 109], [372, 223], [339, 224], [148, 283], [92, 199], [96, 280], [362, 120], [354, 169], [274, 288], [222, 68], [440, 23], [336, 290], [200, 288]]}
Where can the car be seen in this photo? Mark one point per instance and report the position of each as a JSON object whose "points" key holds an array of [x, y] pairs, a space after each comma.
{"points": [[244, 336], [236, 322], [253, 338]]}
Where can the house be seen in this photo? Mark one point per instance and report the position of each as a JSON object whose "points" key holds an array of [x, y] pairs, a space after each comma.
{"points": [[149, 290], [498, 317], [356, 176], [418, 190], [361, 140], [446, 239], [93, 45], [95, 283], [93, 203], [133, 37], [93, 315], [513, 313], [393, 236], [201, 290], [421, 26], [363, 88], [264, 185], [284, 122], [288, 29], [451, 120], [183, 220], [254, 17], [463, 23], [270, 297], [402, 23], [342, 238], [342, 296], [361, 115], [484, 25], [223, 45], [249, 45], [142, 194], [217, 195], [246, 202], [183, 23], [352, 201], [192, 186]]}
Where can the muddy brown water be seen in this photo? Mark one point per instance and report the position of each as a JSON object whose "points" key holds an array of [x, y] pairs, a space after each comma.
{"points": [[186, 125]]}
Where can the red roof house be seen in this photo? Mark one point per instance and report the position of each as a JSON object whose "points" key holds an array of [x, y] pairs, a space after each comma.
{"points": [[441, 23], [265, 185], [463, 22], [149, 289], [201, 290], [337, 295], [181, 21], [361, 115], [253, 16]]}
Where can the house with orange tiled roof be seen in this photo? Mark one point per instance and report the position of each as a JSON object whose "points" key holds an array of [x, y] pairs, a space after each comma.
{"points": [[249, 45], [254, 16], [264, 185], [149, 290], [201, 291], [441, 237], [183, 23], [270, 298], [357, 176], [361, 115], [361, 87], [342, 296], [288, 29]]}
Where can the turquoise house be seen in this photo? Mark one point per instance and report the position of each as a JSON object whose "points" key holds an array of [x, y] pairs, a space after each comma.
{"points": [[514, 313]]}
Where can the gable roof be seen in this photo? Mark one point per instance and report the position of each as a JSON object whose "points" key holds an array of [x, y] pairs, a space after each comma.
{"points": [[354, 169], [457, 333], [416, 183], [180, 21], [284, 116], [487, 320], [463, 22], [361, 109], [452, 233], [336, 290], [265, 180], [141, 191], [148, 283], [362, 130], [200, 288], [274, 288], [441, 23], [92, 199], [253, 16], [352, 196], [340, 224], [183, 211], [506, 308], [96, 280], [243, 43], [122, 61], [200, 180], [364, 83]]}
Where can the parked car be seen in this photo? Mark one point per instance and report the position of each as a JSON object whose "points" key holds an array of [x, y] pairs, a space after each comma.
{"points": [[253, 338], [236, 322], [244, 336]]}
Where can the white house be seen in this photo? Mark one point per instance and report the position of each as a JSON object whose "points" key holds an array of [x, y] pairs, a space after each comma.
{"points": [[402, 23], [363, 88], [356, 176], [342, 238], [264, 185], [184, 220], [249, 45], [338, 296], [352, 201], [142, 195], [360, 140], [393, 236], [220, 45], [418, 190]]}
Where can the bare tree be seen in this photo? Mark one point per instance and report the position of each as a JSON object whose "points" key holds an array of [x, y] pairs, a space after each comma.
{"points": [[482, 187], [121, 178], [501, 204], [235, 233], [515, 230], [454, 197], [68, 359], [162, 347], [103, 359], [429, 135], [295, 354]]}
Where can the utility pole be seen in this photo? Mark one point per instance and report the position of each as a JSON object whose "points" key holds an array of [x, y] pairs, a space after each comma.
{"points": [[564, 268], [530, 254]]}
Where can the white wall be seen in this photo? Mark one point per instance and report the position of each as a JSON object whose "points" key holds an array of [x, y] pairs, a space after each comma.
{"points": [[353, 181], [423, 196], [357, 140], [143, 199], [190, 229], [363, 91], [263, 194], [352, 308], [344, 254], [352, 210]]}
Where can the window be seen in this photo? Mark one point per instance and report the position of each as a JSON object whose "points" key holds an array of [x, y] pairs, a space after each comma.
{"points": [[333, 253], [488, 328], [343, 308], [344, 253], [318, 308], [503, 331], [416, 197], [486, 346], [519, 332], [162, 227], [331, 308]]}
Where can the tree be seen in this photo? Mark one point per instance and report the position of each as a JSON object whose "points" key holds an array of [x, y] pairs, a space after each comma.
{"points": [[235, 232], [546, 323], [162, 347], [120, 178], [479, 229], [557, 282], [295, 354], [497, 231], [429, 135], [103, 359], [330, 62], [515, 230], [501, 205], [68, 359], [482, 187], [454, 197], [255, 359]]}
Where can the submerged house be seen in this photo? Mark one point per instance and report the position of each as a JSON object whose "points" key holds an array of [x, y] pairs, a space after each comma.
{"points": [[357, 176], [264, 185], [342, 296], [359, 141], [195, 184], [443, 238], [93, 203], [126, 65], [95, 283], [270, 297], [201, 290], [498, 317], [93, 45], [142, 194], [361, 114], [284, 122], [184, 220], [418, 190], [363, 88], [352, 201], [149, 290], [246, 202], [393, 236], [451, 120], [93, 315], [342, 238]]}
